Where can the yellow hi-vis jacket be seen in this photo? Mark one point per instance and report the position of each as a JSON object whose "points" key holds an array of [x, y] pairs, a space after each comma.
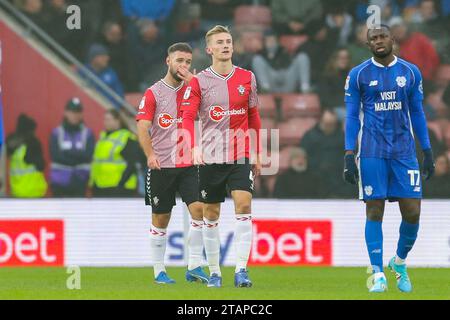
{"points": [[108, 164], [25, 180]]}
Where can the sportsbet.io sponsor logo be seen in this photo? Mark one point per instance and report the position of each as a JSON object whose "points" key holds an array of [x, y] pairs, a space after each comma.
{"points": [[216, 113], [165, 120]]}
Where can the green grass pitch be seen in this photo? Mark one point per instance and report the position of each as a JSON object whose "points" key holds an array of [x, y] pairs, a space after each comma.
{"points": [[287, 283]]}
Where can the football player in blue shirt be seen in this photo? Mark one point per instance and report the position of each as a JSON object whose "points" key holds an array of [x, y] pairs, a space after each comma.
{"points": [[383, 98]]}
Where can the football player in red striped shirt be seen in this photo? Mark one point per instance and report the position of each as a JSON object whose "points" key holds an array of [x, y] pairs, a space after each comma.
{"points": [[225, 98], [170, 169]]}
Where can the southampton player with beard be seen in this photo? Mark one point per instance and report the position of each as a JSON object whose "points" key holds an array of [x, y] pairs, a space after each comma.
{"points": [[225, 98], [383, 97], [170, 169]]}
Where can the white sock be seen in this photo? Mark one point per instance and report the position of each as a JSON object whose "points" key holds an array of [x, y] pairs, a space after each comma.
{"points": [[195, 244], [243, 240], [211, 239], [158, 241], [399, 260]]}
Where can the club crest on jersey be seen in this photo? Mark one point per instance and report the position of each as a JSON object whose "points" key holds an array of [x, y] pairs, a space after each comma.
{"points": [[241, 90], [165, 120], [347, 83], [401, 81], [368, 190]]}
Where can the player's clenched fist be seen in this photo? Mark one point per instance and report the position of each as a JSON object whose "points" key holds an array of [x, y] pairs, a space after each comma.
{"points": [[350, 169], [153, 162]]}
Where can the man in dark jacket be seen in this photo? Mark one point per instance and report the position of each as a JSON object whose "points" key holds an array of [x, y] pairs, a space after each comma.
{"points": [[71, 149], [323, 144], [298, 182], [276, 71], [26, 166]]}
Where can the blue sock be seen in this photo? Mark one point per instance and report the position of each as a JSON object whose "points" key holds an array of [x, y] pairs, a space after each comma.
{"points": [[374, 242], [408, 235]]}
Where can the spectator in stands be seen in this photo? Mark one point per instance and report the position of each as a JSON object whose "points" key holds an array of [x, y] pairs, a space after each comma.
{"points": [[33, 10], [427, 20], [323, 41], [439, 185], [295, 17], [323, 144], [297, 182], [55, 15], [154, 10], [113, 39], [98, 64], [26, 166], [117, 157], [438, 146], [339, 19], [71, 148], [217, 12], [241, 57], [358, 49], [200, 59], [446, 97], [330, 86], [147, 52], [416, 48], [275, 71], [186, 23]]}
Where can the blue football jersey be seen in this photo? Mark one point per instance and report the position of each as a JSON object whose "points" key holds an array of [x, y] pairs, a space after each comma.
{"points": [[385, 95]]}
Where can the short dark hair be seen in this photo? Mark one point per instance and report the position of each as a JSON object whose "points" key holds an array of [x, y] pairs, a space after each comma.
{"points": [[378, 27], [179, 46]]}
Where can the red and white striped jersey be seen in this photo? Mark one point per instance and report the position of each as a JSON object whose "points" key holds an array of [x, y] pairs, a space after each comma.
{"points": [[160, 105], [223, 104]]}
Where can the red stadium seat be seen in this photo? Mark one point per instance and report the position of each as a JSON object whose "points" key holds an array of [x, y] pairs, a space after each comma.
{"points": [[253, 15], [292, 131], [307, 105], [292, 43], [267, 106], [134, 98]]}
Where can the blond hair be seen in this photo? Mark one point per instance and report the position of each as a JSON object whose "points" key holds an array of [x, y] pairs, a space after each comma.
{"points": [[216, 30]]}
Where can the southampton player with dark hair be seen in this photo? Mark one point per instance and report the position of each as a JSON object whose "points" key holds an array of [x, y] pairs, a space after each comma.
{"points": [[225, 98], [383, 97], [170, 170]]}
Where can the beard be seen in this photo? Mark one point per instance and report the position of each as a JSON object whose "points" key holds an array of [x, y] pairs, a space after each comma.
{"points": [[382, 55], [174, 74]]}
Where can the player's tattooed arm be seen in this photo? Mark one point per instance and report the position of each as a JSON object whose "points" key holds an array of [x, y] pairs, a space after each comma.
{"points": [[145, 141]]}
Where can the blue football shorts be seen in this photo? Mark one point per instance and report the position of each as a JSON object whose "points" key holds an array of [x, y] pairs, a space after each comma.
{"points": [[389, 179]]}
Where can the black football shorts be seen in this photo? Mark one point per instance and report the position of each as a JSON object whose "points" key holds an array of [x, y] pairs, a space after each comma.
{"points": [[162, 185], [214, 179]]}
